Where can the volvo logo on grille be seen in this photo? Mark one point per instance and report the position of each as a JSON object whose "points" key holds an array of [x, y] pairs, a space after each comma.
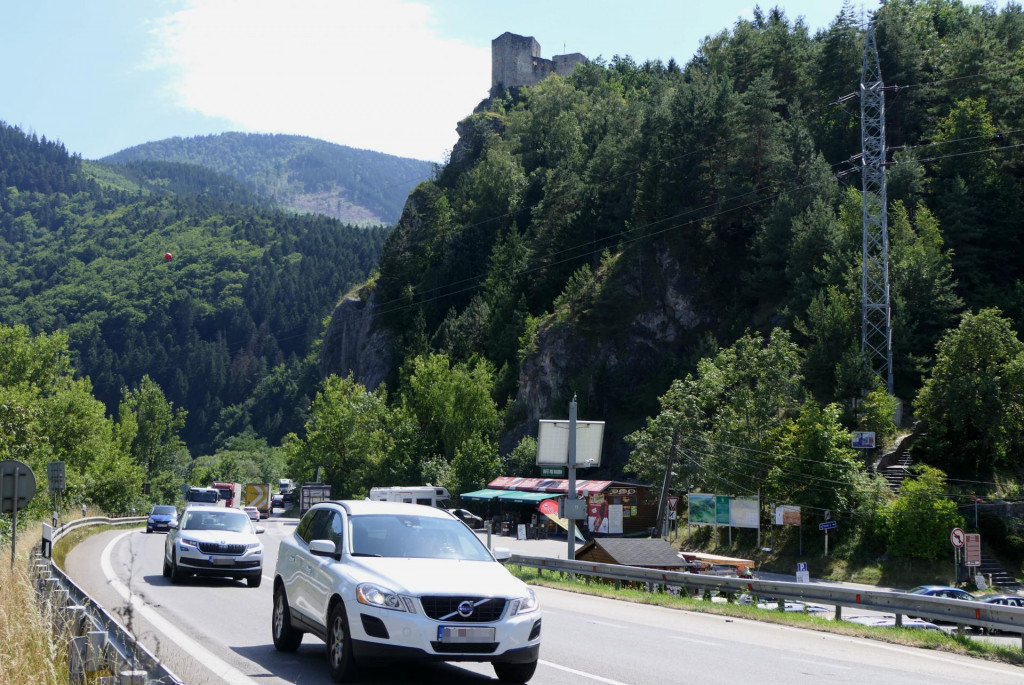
{"points": [[465, 609]]}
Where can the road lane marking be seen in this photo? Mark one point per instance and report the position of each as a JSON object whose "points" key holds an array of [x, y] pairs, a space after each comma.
{"points": [[582, 674], [225, 671], [699, 642], [821, 664], [617, 626]]}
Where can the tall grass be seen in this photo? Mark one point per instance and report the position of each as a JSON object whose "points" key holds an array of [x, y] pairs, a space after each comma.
{"points": [[30, 651]]}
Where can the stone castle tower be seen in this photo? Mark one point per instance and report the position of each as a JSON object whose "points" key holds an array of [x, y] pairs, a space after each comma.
{"points": [[516, 61]]}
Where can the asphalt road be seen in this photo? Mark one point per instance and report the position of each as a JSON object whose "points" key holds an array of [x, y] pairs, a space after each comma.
{"points": [[218, 631]]}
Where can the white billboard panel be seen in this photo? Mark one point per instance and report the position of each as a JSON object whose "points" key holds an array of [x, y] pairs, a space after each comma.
{"points": [[553, 443], [743, 512]]}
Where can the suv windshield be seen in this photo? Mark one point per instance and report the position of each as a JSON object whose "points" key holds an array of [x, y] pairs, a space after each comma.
{"points": [[163, 510], [228, 520], [422, 537]]}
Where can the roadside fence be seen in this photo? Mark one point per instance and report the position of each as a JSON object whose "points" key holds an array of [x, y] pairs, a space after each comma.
{"points": [[102, 651]]}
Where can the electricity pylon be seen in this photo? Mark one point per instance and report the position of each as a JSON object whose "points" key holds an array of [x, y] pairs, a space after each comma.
{"points": [[876, 329]]}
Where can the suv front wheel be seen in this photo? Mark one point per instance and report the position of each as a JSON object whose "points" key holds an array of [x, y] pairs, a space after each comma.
{"points": [[514, 673], [339, 646], [286, 638]]}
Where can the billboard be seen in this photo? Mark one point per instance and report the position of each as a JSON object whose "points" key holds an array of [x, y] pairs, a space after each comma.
{"points": [[701, 509], [864, 440], [787, 515], [744, 512]]}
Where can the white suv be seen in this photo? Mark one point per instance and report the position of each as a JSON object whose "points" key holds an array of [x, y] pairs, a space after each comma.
{"points": [[381, 581], [214, 541]]}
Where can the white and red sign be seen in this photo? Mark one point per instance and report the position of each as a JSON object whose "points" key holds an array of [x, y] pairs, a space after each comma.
{"points": [[957, 537]]}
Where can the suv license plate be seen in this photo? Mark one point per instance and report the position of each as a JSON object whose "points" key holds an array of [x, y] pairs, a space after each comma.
{"points": [[222, 561], [471, 634]]}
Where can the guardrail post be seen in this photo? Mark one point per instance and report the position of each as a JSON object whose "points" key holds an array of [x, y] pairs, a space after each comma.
{"points": [[959, 629], [78, 620], [96, 656], [839, 613], [899, 620], [782, 604], [132, 678]]}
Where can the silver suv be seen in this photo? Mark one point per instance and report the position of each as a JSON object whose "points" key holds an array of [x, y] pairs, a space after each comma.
{"points": [[382, 581], [214, 541]]}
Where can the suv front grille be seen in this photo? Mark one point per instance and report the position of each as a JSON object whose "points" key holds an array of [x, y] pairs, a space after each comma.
{"points": [[217, 548], [485, 609]]}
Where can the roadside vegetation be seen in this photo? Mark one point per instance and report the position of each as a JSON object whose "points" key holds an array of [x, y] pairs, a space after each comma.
{"points": [[31, 650]]}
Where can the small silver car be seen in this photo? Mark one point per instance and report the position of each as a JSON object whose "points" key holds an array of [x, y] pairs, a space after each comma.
{"points": [[214, 541]]}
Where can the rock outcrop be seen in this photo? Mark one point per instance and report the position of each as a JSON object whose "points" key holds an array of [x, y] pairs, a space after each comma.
{"points": [[354, 343]]}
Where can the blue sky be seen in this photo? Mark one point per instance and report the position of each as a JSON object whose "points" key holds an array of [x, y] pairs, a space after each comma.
{"points": [[388, 75]]}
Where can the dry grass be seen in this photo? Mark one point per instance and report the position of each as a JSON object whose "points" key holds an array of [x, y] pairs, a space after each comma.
{"points": [[30, 652]]}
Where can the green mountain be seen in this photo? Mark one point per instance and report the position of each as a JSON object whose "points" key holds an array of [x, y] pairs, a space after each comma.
{"points": [[176, 272], [302, 174], [597, 235]]}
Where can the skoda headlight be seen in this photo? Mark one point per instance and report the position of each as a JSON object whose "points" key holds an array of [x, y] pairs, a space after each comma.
{"points": [[524, 605], [377, 596], [185, 542]]}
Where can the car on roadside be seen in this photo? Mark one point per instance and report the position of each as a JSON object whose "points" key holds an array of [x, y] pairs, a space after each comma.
{"points": [[161, 516], [214, 541], [1002, 600], [946, 591], [253, 513], [469, 518], [386, 581]]}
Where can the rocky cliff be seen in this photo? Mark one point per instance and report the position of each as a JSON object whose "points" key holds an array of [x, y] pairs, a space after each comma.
{"points": [[354, 343]]}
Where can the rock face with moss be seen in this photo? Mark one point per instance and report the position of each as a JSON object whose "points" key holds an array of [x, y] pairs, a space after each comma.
{"points": [[354, 343]]}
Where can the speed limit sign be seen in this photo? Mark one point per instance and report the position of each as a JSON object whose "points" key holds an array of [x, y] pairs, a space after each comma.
{"points": [[957, 537]]}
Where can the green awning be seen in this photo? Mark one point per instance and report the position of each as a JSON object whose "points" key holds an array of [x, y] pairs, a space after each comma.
{"points": [[484, 495], [525, 497]]}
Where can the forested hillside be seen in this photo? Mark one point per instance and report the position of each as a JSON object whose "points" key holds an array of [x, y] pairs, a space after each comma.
{"points": [[177, 273], [598, 235], [299, 173]]}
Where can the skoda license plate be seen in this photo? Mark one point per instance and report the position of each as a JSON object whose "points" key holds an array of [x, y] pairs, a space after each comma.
{"points": [[222, 561], [470, 634]]}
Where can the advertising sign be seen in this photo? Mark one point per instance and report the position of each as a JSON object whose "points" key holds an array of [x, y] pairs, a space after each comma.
{"points": [[864, 440], [743, 512], [701, 509], [549, 508], [787, 515], [722, 510]]}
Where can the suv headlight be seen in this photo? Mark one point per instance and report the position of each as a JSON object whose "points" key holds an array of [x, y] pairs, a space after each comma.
{"points": [[377, 596], [524, 605], [254, 545], [185, 542]]}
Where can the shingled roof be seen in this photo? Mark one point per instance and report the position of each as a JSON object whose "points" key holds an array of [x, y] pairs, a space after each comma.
{"points": [[646, 553]]}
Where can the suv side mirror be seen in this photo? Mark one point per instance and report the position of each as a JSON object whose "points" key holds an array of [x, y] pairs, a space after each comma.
{"points": [[501, 554], [323, 548]]}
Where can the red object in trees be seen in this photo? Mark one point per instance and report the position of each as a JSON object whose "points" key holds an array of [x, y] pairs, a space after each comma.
{"points": [[167, 256]]}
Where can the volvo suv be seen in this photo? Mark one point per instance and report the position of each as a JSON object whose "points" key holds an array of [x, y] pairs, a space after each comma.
{"points": [[384, 581], [214, 541]]}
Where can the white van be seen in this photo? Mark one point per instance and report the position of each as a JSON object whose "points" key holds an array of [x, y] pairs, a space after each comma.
{"points": [[418, 494]]}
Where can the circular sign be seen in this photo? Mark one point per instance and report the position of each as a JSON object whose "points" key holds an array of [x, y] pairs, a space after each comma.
{"points": [[17, 486], [957, 537]]}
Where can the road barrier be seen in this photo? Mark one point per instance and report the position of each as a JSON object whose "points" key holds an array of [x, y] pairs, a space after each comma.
{"points": [[102, 651], [958, 611]]}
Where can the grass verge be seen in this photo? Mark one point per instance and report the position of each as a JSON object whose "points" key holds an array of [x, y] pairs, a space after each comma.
{"points": [[910, 637]]}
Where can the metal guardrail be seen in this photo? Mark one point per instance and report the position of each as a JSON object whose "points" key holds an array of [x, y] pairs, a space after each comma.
{"points": [[102, 651], [958, 611]]}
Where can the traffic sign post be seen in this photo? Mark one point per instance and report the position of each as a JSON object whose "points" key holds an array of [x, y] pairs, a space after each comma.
{"points": [[17, 487], [826, 526]]}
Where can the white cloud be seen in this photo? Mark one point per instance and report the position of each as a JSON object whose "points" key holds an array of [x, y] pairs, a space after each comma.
{"points": [[369, 74]]}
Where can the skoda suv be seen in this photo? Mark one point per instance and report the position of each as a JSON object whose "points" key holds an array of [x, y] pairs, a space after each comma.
{"points": [[214, 541], [386, 581]]}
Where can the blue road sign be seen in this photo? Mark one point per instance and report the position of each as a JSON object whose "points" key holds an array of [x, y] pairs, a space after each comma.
{"points": [[827, 525]]}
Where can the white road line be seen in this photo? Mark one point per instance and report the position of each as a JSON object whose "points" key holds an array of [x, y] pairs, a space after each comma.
{"points": [[822, 664], [225, 671], [581, 673], [699, 642], [617, 626]]}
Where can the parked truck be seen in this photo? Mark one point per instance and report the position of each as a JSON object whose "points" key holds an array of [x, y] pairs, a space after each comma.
{"points": [[258, 495], [417, 494]]}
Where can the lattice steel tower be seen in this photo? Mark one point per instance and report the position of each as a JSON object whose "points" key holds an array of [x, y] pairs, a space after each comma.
{"points": [[876, 330]]}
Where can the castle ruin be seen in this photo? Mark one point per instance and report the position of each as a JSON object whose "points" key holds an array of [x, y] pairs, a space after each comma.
{"points": [[516, 61]]}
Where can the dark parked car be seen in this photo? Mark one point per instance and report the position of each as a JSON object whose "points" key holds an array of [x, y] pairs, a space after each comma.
{"points": [[468, 517], [161, 518], [941, 591], [1003, 600]]}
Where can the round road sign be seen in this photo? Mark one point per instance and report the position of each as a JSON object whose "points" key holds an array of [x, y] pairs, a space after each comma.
{"points": [[17, 486], [957, 537]]}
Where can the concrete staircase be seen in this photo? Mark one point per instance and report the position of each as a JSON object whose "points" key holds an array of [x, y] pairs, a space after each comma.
{"points": [[1000, 578], [895, 474]]}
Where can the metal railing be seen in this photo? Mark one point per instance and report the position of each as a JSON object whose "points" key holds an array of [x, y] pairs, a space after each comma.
{"points": [[102, 651], [958, 611]]}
